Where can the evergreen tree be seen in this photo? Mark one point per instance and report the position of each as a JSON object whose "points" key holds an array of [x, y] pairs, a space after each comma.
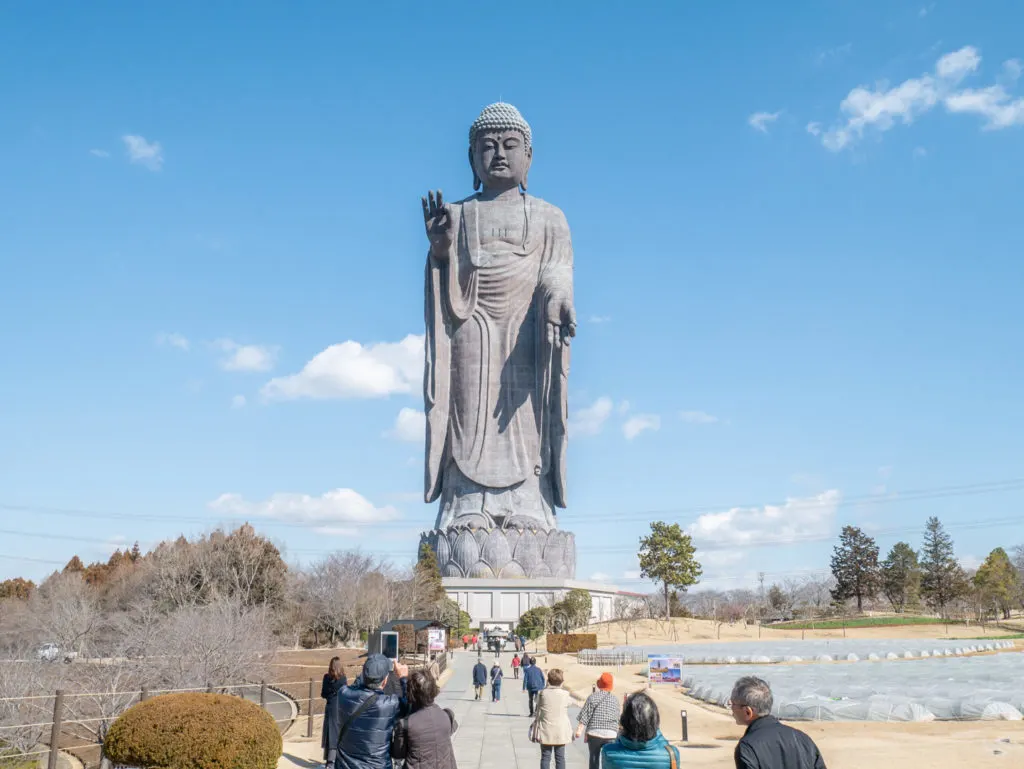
{"points": [[576, 606], [997, 582], [901, 577], [667, 556], [428, 581], [855, 567], [943, 579]]}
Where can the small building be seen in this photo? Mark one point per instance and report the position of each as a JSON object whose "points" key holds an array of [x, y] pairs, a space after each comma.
{"points": [[419, 627]]}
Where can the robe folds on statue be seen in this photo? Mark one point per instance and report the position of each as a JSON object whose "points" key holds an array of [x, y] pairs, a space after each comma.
{"points": [[495, 378]]}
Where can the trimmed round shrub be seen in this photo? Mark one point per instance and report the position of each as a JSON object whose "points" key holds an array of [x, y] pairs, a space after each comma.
{"points": [[194, 731]]}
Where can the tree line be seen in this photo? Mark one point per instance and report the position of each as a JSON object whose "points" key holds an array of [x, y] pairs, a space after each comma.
{"points": [[930, 578]]}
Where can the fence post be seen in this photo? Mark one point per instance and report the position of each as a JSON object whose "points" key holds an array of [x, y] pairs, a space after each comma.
{"points": [[686, 731], [58, 718], [263, 694], [209, 688], [309, 714], [144, 694]]}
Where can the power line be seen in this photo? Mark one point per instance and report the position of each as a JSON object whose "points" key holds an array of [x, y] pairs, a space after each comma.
{"points": [[972, 489]]}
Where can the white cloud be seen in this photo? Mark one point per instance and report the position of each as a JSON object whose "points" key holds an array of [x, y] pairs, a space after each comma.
{"points": [[590, 419], [957, 65], [798, 519], [238, 402], [99, 153], [144, 153], [639, 423], [759, 121], [632, 574], [173, 340], [925, 10], [999, 109], [410, 426], [698, 417], [245, 357], [336, 512], [599, 576], [600, 319], [1012, 69], [880, 108], [920, 152], [352, 370]]}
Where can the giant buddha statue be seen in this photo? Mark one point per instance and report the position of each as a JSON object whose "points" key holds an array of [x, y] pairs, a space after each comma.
{"points": [[499, 321]]}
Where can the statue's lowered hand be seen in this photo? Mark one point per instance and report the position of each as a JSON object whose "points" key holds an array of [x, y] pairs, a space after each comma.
{"points": [[438, 220], [561, 320]]}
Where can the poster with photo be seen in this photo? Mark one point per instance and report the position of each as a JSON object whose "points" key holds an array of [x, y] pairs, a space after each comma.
{"points": [[664, 670], [435, 639]]}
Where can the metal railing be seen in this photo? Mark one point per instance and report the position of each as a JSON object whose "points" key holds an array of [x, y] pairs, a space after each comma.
{"points": [[609, 657]]}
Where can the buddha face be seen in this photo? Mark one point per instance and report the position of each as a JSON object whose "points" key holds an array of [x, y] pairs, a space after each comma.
{"points": [[501, 159]]}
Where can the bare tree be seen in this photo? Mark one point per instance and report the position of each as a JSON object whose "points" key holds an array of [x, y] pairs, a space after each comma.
{"points": [[66, 612], [25, 677], [103, 692], [220, 643], [628, 611]]}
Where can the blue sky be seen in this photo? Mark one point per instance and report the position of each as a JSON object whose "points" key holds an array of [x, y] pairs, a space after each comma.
{"points": [[797, 268]]}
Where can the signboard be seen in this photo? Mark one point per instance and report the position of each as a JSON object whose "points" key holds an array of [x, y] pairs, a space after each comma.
{"points": [[435, 639], [664, 670]]}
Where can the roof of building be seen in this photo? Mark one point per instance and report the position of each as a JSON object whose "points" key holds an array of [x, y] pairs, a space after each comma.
{"points": [[417, 624]]}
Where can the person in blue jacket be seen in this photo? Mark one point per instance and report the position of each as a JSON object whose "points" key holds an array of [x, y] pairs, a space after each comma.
{"points": [[533, 681], [641, 744], [479, 678], [368, 716]]}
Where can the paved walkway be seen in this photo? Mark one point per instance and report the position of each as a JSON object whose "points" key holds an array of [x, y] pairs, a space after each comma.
{"points": [[494, 735]]}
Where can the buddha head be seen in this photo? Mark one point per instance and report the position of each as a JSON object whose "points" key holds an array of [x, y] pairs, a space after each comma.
{"points": [[500, 149]]}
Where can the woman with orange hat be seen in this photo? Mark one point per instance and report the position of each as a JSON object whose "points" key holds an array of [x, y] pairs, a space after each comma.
{"points": [[598, 721]]}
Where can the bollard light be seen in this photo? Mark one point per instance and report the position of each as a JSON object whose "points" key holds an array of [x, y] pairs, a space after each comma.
{"points": [[686, 731]]}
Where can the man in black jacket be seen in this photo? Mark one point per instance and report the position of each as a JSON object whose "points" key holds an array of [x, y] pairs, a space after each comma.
{"points": [[368, 716], [767, 743]]}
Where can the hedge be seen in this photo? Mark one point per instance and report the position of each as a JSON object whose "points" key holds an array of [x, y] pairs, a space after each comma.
{"points": [[569, 643], [195, 731]]}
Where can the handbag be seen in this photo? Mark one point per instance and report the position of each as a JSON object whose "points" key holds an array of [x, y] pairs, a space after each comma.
{"points": [[534, 733]]}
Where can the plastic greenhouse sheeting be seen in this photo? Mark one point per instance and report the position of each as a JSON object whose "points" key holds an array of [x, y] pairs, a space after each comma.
{"points": [[960, 688], [833, 650]]}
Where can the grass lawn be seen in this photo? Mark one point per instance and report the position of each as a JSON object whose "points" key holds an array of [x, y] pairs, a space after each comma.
{"points": [[836, 624]]}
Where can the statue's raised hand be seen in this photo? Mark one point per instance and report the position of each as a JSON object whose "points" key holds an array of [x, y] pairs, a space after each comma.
{"points": [[437, 218]]}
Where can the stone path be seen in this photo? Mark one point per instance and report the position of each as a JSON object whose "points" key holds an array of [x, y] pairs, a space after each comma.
{"points": [[494, 735]]}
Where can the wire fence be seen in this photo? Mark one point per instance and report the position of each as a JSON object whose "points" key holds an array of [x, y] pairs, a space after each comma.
{"points": [[268, 694]]}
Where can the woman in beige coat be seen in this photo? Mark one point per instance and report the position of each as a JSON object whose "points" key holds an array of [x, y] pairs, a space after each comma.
{"points": [[553, 730]]}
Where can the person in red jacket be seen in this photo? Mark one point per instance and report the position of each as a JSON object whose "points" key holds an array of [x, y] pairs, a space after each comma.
{"points": [[515, 665]]}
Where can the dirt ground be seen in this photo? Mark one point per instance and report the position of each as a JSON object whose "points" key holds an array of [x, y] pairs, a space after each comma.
{"points": [[292, 670], [851, 745]]}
